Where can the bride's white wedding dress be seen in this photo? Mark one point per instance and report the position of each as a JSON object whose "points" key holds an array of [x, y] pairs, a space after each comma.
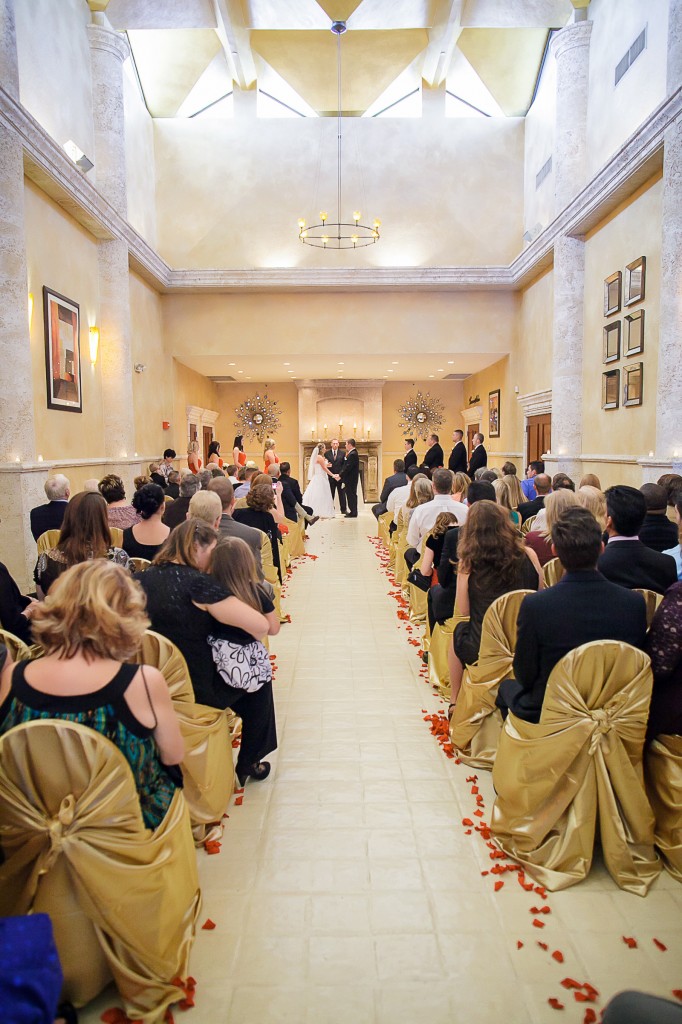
{"points": [[318, 494]]}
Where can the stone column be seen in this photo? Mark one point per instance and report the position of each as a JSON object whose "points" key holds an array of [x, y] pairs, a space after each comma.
{"points": [[108, 50], [567, 355], [571, 48]]}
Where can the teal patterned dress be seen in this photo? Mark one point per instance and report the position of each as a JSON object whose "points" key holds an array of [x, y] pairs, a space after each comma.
{"points": [[107, 712]]}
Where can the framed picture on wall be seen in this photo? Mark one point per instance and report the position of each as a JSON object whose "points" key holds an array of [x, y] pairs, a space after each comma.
{"points": [[612, 342], [633, 384], [612, 293], [633, 342], [635, 274], [62, 352], [610, 389], [494, 413]]}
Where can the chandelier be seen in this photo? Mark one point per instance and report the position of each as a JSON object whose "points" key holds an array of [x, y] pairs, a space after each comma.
{"points": [[338, 234]]}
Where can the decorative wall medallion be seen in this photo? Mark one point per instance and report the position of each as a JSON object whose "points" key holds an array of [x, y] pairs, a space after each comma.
{"points": [[421, 415], [258, 417]]}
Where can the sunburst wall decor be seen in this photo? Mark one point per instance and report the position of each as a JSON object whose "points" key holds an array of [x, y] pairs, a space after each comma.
{"points": [[421, 415], [258, 417]]}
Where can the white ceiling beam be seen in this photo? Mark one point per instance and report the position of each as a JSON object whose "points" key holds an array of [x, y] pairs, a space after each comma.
{"points": [[235, 37], [443, 36]]}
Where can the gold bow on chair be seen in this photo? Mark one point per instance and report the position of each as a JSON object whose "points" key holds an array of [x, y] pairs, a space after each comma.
{"points": [[583, 760], [663, 775]]}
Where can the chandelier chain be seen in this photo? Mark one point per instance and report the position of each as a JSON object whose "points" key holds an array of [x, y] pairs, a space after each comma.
{"points": [[338, 127]]}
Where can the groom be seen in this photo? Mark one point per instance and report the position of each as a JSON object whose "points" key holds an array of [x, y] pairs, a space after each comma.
{"points": [[348, 476]]}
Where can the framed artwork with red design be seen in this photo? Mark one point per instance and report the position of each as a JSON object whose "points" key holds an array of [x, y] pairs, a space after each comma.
{"points": [[62, 352]]}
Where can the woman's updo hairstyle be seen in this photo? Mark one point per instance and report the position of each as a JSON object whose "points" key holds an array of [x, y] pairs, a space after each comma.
{"points": [[148, 500]]}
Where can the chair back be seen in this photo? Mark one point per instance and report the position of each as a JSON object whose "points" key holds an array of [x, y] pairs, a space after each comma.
{"points": [[123, 900], [47, 541], [241, 503], [582, 761], [140, 564], [663, 778], [652, 600], [116, 536], [527, 525], [18, 650], [167, 498], [400, 546], [552, 572], [160, 652], [476, 721], [267, 561]]}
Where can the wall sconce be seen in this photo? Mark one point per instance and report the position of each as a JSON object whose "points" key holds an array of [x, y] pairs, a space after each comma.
{"points": [[94, 344], [140, 367], [30, 308]]}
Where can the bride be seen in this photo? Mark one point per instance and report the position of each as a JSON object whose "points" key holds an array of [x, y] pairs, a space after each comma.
{"points": [[318, 493]]}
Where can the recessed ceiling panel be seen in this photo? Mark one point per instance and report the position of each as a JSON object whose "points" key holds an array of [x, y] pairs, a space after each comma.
{"points": [[516, 13], [170, 62], [285, 15], [507, 61], [383, 14], [139, 14], [370, 61], [338, 10]]}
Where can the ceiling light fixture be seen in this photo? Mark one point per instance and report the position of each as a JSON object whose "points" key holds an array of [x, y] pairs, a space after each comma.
{"points": [[338, 234]]}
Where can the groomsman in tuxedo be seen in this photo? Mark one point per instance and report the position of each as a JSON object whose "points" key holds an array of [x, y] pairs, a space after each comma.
{"points": [[433, 456], [410, 454], [335, 456], [349, 476], [479, 456], [457, 462]]}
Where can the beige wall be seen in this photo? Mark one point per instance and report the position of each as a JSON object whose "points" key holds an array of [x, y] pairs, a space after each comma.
{"points": [[139, 143], [509, 441], [189, 388], [152, 390], [396, 394], [539, 146], [231, 396]]}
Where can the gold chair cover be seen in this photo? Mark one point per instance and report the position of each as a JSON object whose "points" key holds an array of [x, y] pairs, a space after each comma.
{"points": [[552, 572], [18, 650], [123, 900], [582, 761], [241, 503], [116, 536], [417, 597], [207, 766], [296, 543], [527, 525], [441, 639], [383, 523], [270, 573], [652, 600], [285, 550], [400, 548], [140, 564], [476, 720], [663, 777], [47, 541]]}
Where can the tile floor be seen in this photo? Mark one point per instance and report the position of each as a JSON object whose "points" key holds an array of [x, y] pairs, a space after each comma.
{"points": [[346, 891]]}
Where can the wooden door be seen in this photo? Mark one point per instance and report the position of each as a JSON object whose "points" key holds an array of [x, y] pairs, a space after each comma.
{"points": [[472, 428], [538, 436], [208, 437]]}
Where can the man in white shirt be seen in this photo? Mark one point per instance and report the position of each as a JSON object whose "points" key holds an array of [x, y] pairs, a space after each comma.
{"points": [[424, 516], [398, 497]]}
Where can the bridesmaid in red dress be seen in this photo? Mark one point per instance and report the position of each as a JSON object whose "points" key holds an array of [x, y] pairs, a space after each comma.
{"points": [[214, 455], [193, 459], [238, 453], [270, 456]]}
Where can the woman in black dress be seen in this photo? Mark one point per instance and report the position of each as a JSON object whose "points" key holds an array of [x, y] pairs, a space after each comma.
{"points": [[144, 539], [492, 561], [260, 500], [184, 604]]}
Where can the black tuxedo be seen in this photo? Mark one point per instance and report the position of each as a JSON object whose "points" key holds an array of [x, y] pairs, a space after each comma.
{"points": [[350, 474], [410, 459], [527, 509], [633, 565], [581, 608], [291, 496], [433, 457], [176, 511], [458, 458], [658, 532], [47, 517], [336, 464], [478, 460], [390, 484]]}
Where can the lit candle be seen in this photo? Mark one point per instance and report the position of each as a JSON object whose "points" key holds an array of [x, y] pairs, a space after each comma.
{"points": [[368, 433], [312, 433], [355, 426]]}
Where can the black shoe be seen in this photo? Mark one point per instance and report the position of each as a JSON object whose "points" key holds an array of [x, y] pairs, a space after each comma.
{"points": [[258, 772], [311, 522], [351, 515]]}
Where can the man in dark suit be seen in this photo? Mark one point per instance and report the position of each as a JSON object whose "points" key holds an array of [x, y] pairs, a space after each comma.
{"points": [[229, 527], [626, 560], [51, 515], [349, 476], [292, 499], [335, 456], [543, 485], [176, 511], [173, 485], [458, 456], [657, 531], [410, 454], [397, 479], [433, 456], [581, 608], [479, 456]]}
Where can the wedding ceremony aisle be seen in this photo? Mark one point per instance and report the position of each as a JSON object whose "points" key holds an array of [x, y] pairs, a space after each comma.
{"points": [[352, 887]]}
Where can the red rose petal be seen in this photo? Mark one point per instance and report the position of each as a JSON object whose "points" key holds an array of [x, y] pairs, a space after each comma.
{"points": [[581, 997], [590, 1016], [659, 945], [543, 945], [677, 992], [571, 983], [630, 942], [478, 813], [538, 924], [519, 944], [239, 801], [558, 956], [498, 886], [555, 1004], [208, 925]]}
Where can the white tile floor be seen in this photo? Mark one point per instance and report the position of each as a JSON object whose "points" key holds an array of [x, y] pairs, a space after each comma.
{"points": [[346, 891]]}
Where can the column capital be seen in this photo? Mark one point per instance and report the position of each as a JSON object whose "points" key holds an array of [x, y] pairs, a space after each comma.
{"points": [[102, 38], [573, 36]]}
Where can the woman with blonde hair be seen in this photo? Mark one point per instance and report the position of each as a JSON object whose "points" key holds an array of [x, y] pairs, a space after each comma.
{"points": [[421, 491], [503, 498], [270, 456], [91, 626], [590, 480], [193, 459], [460, 487], [516, 495], [539, 539], [592, 498]]}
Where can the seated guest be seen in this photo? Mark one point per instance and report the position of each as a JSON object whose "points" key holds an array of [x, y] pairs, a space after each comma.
{"points": [[186, 605], [166, 466], [140, 481], [492, 561], [51, 515], [205, 476], [665, 650], [229, 527], [675, 552], [206, 505], [292, 499], [433, 456], [176, 511], [508, 469], [581, 608], [543, 486], [261, 504], [539, 539], [516, 495], [626, 560], [423, 518], [673, 485], [120, 512], [272, 475], [489, 473], [410, 458], [562, 480], [155, 475], [145, 538], [231, 472], [15, 609], [91, 484], [533, 469], [592, 498], [397, 479], [173, 486], [433, 545], [504, 500], [657, 532], [216, 472], [460, 487], [90, 626], [242, 489], [398, 498], [84, 536], [243, 661], [590, 480], [441, 597]]}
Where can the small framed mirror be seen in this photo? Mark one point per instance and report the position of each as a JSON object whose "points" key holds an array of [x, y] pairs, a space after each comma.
{"points": [[612, 293], [633, 342], [633, 384], [612, 342], [421, 417], [610, 389], [258, 419], [635, 274]]}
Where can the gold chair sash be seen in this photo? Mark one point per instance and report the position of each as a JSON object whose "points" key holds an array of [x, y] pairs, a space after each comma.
{"points": [[663, 777], [400, 547], [552, 572], [476, 720], [123, 900], [652, 600], [47, 541], [417, 597], [383, 523], [116, 536], [582, 760], [207, 765], [140, 564], [18, 650], [527, 525]]}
